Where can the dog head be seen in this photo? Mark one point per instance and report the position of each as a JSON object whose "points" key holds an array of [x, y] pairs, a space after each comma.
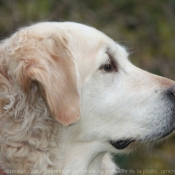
{"points": [[85, 76]]}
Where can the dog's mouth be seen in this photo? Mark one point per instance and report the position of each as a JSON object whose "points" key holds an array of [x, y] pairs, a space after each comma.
{"points": [[121, 144]]}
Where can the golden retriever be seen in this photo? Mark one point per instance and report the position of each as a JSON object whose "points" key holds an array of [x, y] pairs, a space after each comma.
{"points": [[69, 97]]}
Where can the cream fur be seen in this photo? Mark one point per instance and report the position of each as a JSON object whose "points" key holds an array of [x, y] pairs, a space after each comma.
{"points": [[52, 114]]}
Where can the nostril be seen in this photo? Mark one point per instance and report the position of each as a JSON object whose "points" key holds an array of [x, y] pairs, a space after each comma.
{"points": [[171, 92]]}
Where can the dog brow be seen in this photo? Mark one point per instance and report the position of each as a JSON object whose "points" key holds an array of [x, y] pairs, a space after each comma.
{"points": [[112, 61]]}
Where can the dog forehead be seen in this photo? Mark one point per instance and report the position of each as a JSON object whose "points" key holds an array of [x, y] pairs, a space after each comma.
{"points": [[95, 38], [87, 36]]}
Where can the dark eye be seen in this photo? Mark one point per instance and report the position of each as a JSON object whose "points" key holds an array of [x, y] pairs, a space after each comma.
{"points": [[110, 66]]}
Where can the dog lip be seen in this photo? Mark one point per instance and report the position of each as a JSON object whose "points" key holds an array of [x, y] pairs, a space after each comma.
{"points": [[121, 144]]}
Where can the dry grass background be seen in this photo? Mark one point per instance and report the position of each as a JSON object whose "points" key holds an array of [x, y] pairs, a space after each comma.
{"points": [[146, 28]]}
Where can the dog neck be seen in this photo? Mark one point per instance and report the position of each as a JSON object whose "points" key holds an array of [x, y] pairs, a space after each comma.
{"points": [[80, 157]]}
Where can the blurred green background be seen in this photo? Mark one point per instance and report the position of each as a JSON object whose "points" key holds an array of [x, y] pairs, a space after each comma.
{"points": [[145, 27]]}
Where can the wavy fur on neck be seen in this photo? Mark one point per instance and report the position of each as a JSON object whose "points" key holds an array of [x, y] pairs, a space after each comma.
{"points": [[28, 133]]}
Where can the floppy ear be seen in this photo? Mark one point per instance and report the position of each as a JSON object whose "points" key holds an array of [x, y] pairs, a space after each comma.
{"points": [[52, 66]]}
